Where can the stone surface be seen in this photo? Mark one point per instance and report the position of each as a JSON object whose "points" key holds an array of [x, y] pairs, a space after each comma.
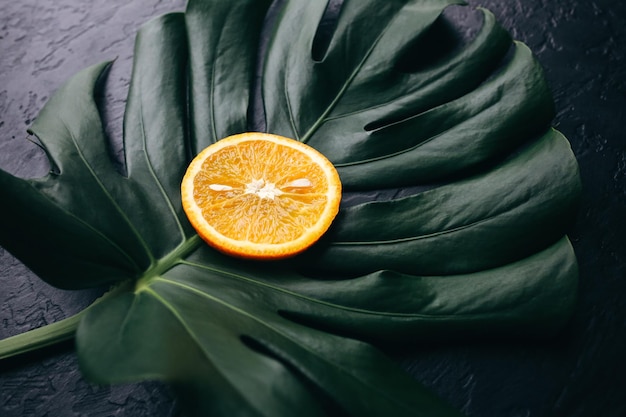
{"points": [[580, 373]]}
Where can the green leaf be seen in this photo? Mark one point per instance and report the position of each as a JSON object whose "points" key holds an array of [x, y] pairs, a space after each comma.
{"points": [[458, 199]]}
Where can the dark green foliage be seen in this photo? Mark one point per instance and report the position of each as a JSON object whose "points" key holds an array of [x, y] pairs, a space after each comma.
{"points": [[482, 251]]}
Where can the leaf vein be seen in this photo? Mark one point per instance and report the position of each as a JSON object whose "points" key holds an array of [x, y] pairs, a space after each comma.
{"points": [[425, 236], [106, 192], [307, 298], [324, 116], [286, 336], [158, 183], [292, 120]]}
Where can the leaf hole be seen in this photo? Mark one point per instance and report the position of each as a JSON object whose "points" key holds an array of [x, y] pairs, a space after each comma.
{"points": [[325, 326], [325, 30], [111, 112], [382, 123], [331, 407], [256, 110]]}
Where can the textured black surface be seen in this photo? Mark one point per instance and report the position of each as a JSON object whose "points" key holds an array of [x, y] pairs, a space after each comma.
{"points": [[581, 372]]}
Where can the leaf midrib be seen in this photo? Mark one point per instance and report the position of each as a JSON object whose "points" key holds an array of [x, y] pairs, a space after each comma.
{"points": [[164, 264]]}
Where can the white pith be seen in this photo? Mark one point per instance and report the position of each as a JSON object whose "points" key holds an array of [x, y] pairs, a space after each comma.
{"points": [[263, 189]]}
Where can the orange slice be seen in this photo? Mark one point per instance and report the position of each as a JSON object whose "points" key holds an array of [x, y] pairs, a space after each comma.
{"points": [[260, 196]]}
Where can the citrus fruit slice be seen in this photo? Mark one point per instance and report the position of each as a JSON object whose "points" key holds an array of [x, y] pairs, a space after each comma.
{"points": [[261, 196]]}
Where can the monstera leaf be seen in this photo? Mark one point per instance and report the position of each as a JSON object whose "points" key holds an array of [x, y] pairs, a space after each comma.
{"points": [[458, 198]]}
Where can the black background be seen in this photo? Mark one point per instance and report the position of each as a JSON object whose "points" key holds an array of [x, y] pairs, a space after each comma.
{"points": [[580, 372]]}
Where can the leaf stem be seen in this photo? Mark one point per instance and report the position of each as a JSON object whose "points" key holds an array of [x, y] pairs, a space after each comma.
{"points": [[65, 329], [167, 262], [40, 338], [51, 334]]}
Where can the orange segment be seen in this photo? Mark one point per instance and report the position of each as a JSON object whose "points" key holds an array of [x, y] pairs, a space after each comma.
{"points": [[261, 196]]}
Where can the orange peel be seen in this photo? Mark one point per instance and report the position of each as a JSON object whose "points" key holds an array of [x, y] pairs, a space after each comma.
{"points": [[260, 196]]}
